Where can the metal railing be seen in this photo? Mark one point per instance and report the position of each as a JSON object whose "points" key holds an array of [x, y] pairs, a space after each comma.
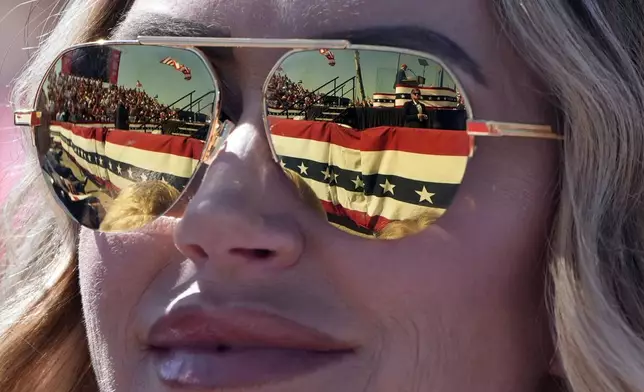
{"points": [[333, 93]]}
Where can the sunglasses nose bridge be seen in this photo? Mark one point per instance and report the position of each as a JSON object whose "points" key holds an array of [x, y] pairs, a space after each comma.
{"points": [[254, 66], [249, 141]]}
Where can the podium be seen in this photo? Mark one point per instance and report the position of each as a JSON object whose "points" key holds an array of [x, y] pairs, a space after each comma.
{"points": [[419, 81], [409, 83]]}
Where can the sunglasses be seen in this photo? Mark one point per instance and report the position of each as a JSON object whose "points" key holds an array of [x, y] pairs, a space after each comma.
{"points": [[123, 129]]}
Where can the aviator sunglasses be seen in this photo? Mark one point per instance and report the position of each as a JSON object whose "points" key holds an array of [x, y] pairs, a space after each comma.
{"points": [[122, 128]]}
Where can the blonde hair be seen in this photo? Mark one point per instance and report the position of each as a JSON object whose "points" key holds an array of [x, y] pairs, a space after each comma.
{"points": [[138, 205], [590, 53], [43, 345], [402, 228]]}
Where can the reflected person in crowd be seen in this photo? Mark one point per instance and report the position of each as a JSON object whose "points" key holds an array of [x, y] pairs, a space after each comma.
{"points": [[122, 121], [415, 111]]}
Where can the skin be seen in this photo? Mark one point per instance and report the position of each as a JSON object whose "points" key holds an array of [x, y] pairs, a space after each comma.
{"points": [[459, 307]]}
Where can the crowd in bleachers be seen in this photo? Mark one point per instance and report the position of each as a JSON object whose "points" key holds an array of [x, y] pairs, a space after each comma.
{"points": [[283, 93], [81, 100]]}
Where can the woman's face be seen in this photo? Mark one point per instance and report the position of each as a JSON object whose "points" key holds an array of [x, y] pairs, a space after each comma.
{"points": [[251, 289]]}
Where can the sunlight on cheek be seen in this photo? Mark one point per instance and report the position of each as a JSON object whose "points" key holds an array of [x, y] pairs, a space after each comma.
{"points": [[193, 289], [99, 251]]}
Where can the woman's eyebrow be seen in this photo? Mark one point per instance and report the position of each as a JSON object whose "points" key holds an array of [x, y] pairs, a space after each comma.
{"points": [[407, 37], [159, 25]]}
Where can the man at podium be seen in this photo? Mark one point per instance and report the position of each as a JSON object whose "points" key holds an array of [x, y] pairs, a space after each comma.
{"points": [[402, 78]]}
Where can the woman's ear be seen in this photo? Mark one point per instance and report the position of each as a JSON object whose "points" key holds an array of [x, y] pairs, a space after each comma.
{"points": [[553, 384], [555, 380], [556, 367]]}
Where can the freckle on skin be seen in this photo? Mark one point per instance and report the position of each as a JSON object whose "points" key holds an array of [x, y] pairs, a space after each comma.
{"points": [[470, 202]]}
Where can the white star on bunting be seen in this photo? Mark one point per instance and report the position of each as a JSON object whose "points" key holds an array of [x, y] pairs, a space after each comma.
{"points": [[327, 174], [118, 169], [100, 160], [358, 182], [303, 168], [335, 177], [425, 196], [388, 187], [144, 177], [109, 163], [129, 172]]}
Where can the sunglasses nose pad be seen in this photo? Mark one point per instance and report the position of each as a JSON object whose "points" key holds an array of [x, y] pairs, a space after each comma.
{"points": [[216, 140]]}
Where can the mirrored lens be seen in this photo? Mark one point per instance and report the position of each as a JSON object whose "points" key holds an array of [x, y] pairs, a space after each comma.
{"points": [[123, 130], [380, 161]]}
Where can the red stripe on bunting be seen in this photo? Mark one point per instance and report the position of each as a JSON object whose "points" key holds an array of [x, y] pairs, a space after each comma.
{"points": [[169, 144], [90, 133], [375, 223], [420, 141]]}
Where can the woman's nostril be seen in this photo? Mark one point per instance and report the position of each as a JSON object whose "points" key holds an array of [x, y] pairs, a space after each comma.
{"points": [[196, 252], [222, 349], [199, 252], [263, 253], [254, 254]]}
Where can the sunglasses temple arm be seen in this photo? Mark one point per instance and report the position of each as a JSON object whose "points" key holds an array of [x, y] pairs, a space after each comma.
{"points": [[494, 128], [27, 118]]}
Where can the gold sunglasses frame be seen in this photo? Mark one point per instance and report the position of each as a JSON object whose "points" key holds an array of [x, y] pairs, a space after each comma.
{"points": [[32, 117]]}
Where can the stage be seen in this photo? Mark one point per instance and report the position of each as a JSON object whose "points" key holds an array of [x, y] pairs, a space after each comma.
{"points": [[369, 117]]}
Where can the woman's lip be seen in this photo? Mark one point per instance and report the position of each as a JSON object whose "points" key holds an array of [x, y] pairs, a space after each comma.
{"points": [[235, 348], [208, 369], [196, 327]]}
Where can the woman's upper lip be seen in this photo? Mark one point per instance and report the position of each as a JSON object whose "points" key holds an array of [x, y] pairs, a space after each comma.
{"points": [[201, 328]]}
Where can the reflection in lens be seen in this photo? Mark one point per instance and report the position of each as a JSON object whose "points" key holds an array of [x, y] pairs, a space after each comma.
{"points": [[306, 193], [138, 205], [125, 129], [376, 135], [403, 228]]}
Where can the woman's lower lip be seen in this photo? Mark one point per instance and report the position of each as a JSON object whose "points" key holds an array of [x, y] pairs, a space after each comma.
{"points": [[237, 368]]}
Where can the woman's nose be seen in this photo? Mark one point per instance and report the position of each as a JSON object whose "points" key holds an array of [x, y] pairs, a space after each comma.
{"points": [[241, 220]]}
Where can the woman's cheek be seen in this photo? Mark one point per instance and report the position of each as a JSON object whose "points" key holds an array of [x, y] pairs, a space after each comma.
{"points": [[116, 269]]}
